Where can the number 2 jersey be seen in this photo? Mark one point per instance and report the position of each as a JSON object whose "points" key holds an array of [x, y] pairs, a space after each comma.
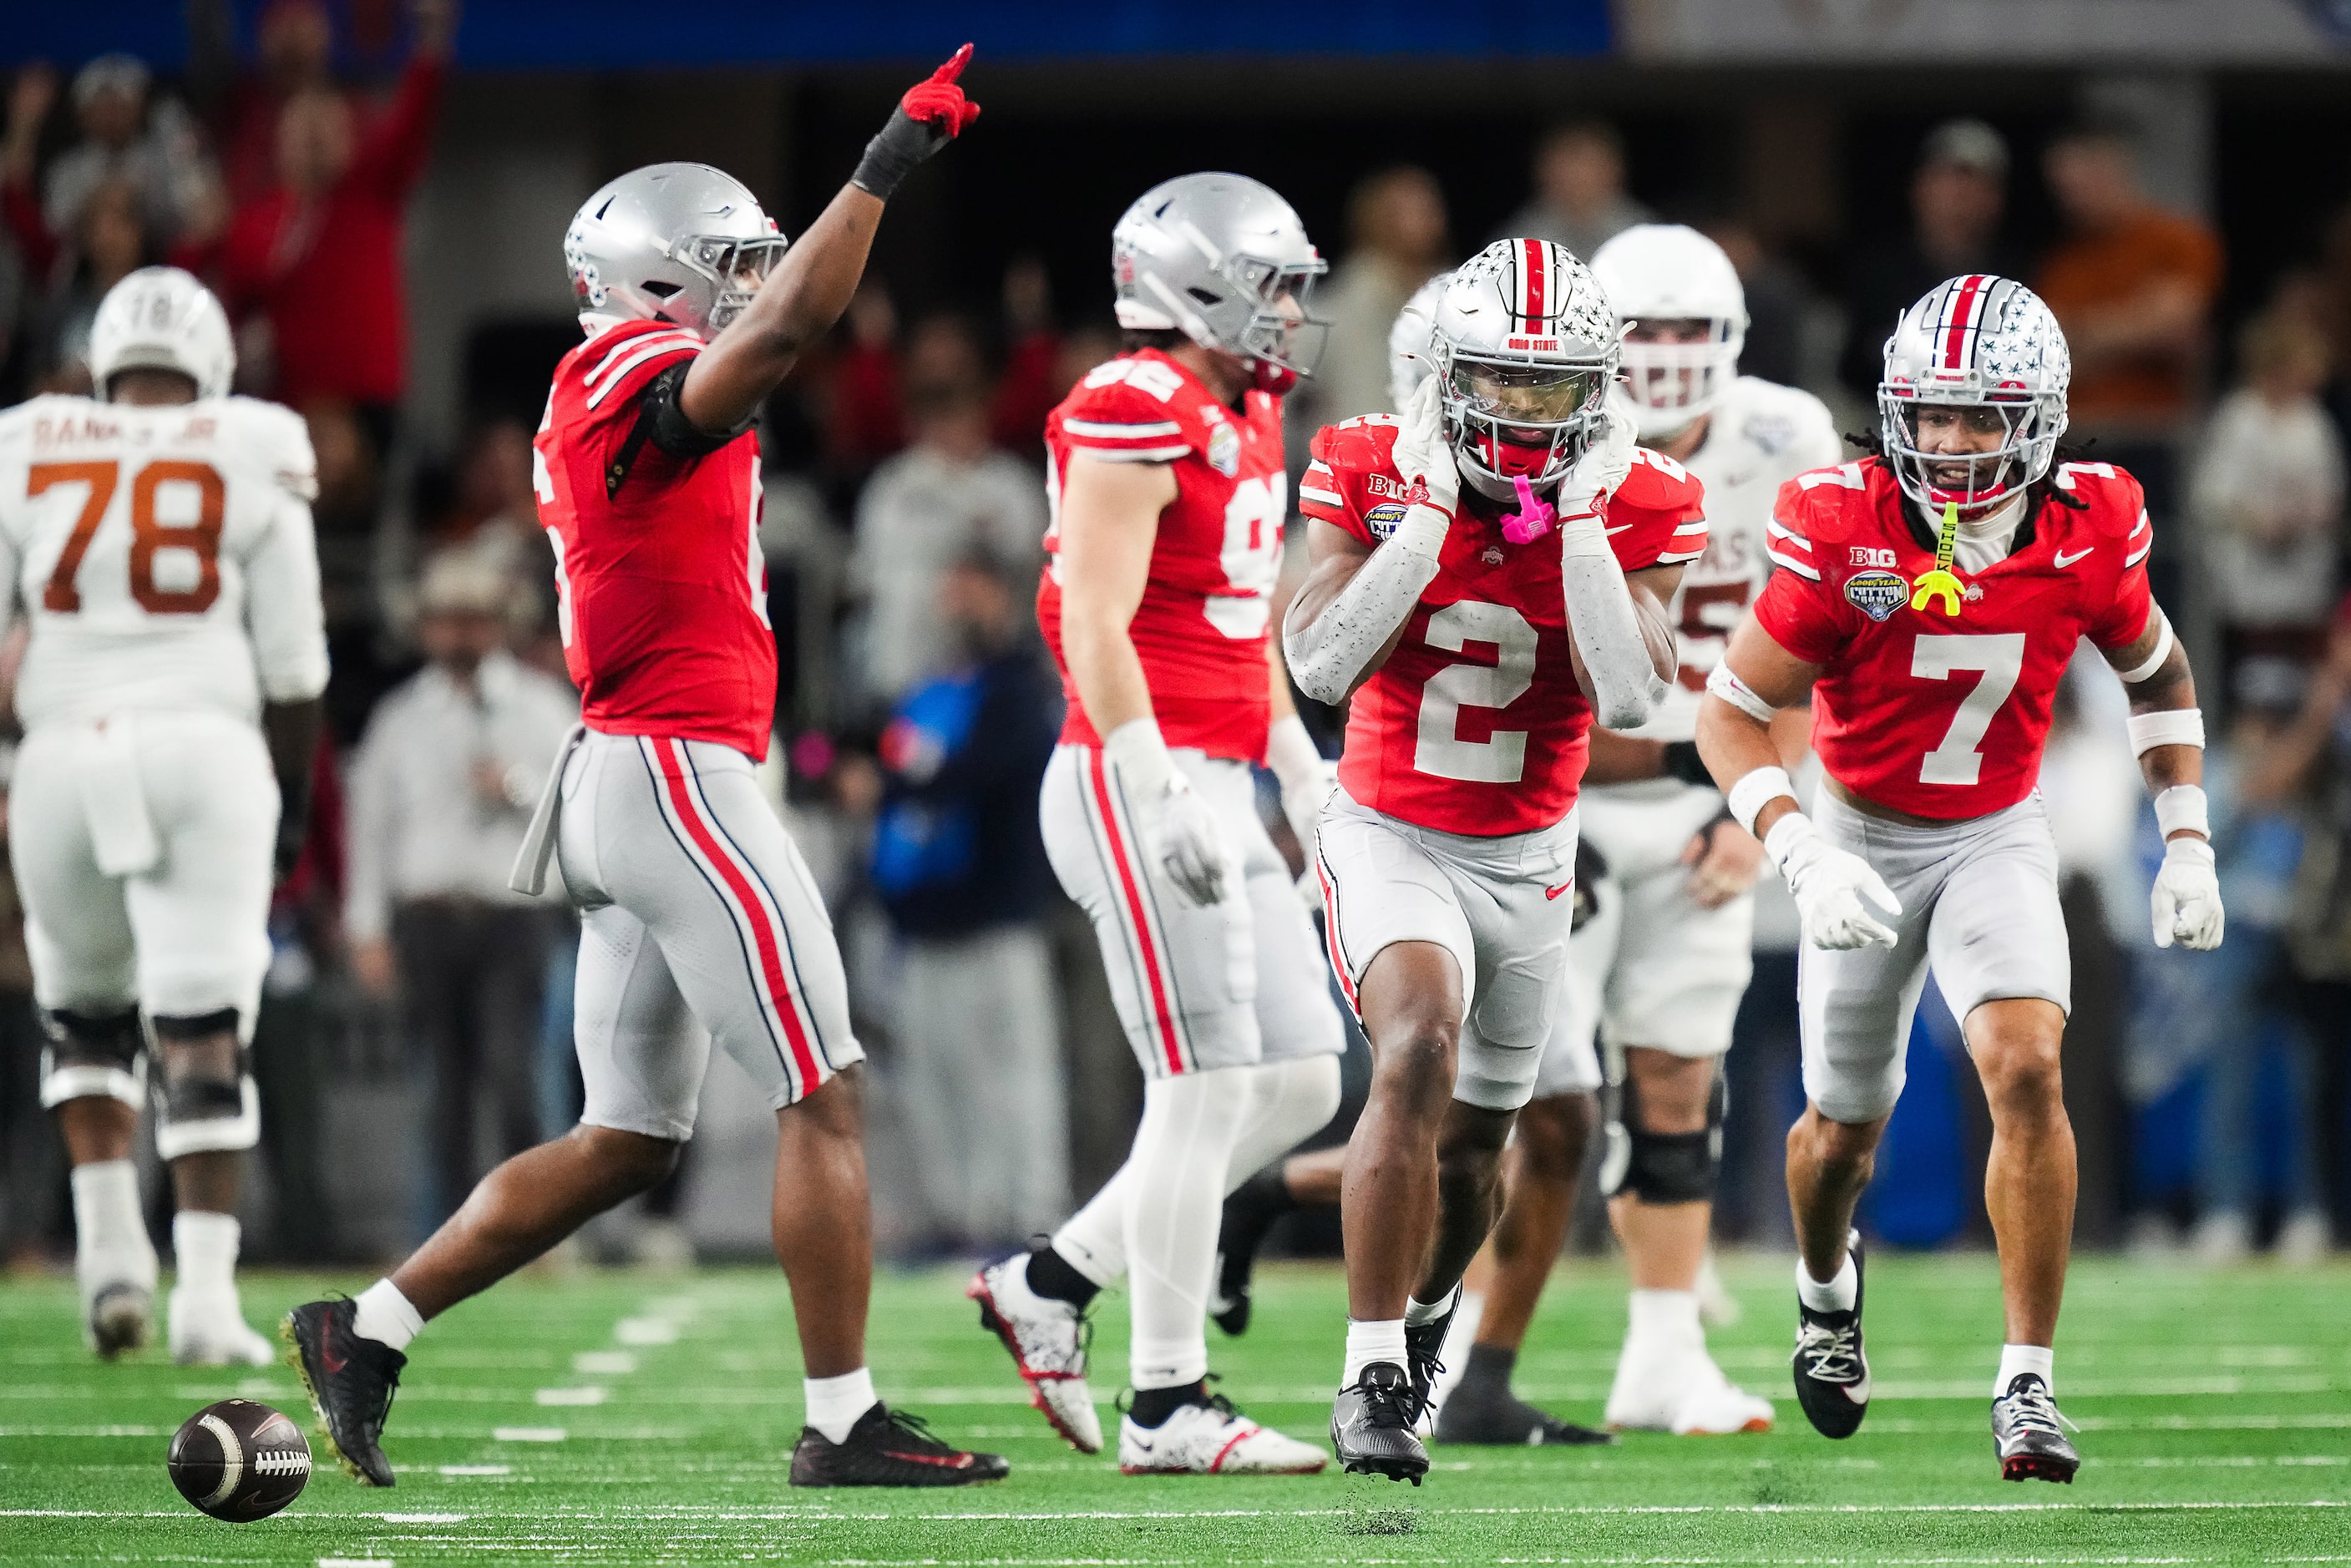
{"points": [[1201, 629], [1476, 723], [1939, 715], [661, 587], [164, 554]]}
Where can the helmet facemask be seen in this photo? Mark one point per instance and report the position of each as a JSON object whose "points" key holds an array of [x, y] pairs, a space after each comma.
{"points": [[734, 268], [1280, 340], [1512, 417], [1930, 442], [1673, 384]]}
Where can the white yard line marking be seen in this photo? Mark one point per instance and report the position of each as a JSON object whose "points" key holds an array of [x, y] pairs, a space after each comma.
{"points": [[604, 1363], [527, 1434], [477, 1469], [590, 1395], [646, 1331], [420, 1517], [355, 1563]]}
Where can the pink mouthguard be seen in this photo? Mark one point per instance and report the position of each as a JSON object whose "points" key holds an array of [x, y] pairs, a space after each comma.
{"points": [[1533, 520]]}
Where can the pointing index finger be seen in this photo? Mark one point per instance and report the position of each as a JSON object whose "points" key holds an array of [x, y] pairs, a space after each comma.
{"points": [[954, 68]]}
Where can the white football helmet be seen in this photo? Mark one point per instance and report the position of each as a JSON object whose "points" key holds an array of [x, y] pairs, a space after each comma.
{"points": [[160, 318], [1224, 259], [1527, 344], [681, 243], [1410, 358], [1976, 343], [1665, 272]]}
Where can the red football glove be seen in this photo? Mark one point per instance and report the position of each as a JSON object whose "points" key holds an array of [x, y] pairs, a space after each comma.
{"points": [[932, 114], [939, 102]]}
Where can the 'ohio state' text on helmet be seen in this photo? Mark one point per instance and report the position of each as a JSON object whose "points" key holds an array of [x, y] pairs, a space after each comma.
{"points": [[1657, 273], [1224, 259], [160, 318], [1977, 342], [681, 243], [1527, 346]]}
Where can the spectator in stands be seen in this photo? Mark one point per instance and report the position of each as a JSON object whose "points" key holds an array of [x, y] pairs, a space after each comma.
{"points": [[440, 791], [961, 870], [495, 522], [154, 152], [2267, 493], [295, 47], [2132, 286], [867, 420], [109, 244], [1958, 199], [950, 493], [1030, 386], [1779, 301], [318, 259], [1579, 199], [1397, 222]]}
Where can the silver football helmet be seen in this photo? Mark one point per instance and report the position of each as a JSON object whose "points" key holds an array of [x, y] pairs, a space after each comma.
{"points": [[681, 243], [1528, 347], [1667, 272], [1222, 259], [1979, 356], [1410, 358], [160, 318]]}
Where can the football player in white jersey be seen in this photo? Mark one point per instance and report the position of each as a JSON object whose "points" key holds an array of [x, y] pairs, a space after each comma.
{"points": [[1655, 975], [158, 535]]}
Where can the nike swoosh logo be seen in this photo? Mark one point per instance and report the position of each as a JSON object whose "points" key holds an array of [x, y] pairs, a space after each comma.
{"points": [[326, 1356], [2064, 560], [1555, 892], [959, 1463]]}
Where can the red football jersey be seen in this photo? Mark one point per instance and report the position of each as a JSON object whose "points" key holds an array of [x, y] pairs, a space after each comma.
{"points": [[1936, 715], [1476, 724], [1200, 630], [662, 591]]}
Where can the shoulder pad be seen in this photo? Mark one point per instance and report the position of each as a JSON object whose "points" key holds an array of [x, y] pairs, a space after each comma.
{"points": [[278, 440], [2114, 499], [1656, 483], [615, 363], [1832, 502], [1131, 406], [1362, 445]]}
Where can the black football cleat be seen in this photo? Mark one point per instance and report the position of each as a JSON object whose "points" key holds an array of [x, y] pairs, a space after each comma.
{"points": [[1372, 1425], [1500, 1418], [350, 1379], [2028, 1435], [1249, 1213], [888, 1447], [121, 1317], [1832, 1369]]}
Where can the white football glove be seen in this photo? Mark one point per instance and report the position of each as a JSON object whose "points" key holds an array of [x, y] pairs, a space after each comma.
{"points": [[1828, 885], [1421, 450], [1179, 830], [1602, 468], [2186, 897]]}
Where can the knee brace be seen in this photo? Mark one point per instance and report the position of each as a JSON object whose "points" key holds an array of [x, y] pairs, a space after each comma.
{"points": [[206, 1110], [1659, 1167], [92, 1057]]}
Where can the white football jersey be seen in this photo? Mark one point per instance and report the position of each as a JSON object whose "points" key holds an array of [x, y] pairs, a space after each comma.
{"points": [[1761, 435], [165, 555]]}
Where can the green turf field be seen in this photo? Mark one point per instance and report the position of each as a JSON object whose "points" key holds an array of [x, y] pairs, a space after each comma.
{"points": [[627, 1419]]}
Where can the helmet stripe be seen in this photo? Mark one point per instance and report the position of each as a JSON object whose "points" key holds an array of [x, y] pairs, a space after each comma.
{"points": [[1965, 314], [1534, 313]]}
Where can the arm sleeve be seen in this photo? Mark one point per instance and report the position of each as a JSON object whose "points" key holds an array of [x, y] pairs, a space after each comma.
{"points": [[369, 824]]}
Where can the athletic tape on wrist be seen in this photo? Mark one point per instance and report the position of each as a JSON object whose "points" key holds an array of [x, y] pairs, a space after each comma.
{"points": [[2182, 807], [1792, 828], [2153, 661], [2168, 727], [1739, 694], [1754, 790]]}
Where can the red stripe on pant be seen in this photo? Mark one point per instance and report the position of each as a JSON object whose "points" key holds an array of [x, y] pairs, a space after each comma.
{"points": [[1130, 888], [754, 913], [1330, 937]]}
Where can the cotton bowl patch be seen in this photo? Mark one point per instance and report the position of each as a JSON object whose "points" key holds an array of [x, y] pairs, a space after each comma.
{"points": [[1382, 520], [1878, 593], [1225, 449]]}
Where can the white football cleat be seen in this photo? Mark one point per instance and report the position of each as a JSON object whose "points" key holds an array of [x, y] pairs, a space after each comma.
{"points": [[208, 1329], [1712, 1405], [1213, 1439], [1047, 1338], [1717, 1307], [1670, 1386]]}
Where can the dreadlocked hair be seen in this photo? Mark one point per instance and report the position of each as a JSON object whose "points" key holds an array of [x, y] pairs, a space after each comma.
{"points": [[2040, 492]]}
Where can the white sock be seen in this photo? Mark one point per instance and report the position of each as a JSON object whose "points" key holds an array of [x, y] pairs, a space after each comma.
{"points": [[2015, 1360], [386, 1316], [108, 1230], [1418, 1314], [834, 1404], [1666, 1314], [1379, 1340], [1094, 1240], [1831, 1295], [203, 1250], [1174, 1206]]}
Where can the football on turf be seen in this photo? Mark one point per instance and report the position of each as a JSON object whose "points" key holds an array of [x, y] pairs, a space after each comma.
{"points": [[239, 1460]]}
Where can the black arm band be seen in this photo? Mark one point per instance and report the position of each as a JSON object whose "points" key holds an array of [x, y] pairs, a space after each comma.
{"points": [[661, 421], [1682, 762]]}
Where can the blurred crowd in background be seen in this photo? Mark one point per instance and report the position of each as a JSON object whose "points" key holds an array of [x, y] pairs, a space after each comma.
{"points": [[416, 1027]]}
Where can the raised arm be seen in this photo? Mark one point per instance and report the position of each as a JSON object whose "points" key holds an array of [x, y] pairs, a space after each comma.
{"points": [[808, 291]]}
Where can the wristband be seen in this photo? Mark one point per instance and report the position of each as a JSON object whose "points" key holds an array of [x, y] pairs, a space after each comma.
{"points": [[1726, 685], [1682, 762], [2182, 809], [893, 153], [2167, 727], [1756, 790], [1139, 755], [2153, 661], [1292, 755]]}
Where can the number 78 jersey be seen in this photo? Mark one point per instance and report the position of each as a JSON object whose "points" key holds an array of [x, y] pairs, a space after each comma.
{"points": [[1939, 716], [164, 554]]}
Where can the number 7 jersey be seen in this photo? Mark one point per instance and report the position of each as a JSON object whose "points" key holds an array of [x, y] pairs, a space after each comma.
{"points": [[1939, 716], [164, 554]]}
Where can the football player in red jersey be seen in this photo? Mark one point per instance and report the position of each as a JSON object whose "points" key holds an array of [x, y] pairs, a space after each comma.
{"points": [[1929, 599], [1165, 473], [693, 898], [1490, 571]]}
